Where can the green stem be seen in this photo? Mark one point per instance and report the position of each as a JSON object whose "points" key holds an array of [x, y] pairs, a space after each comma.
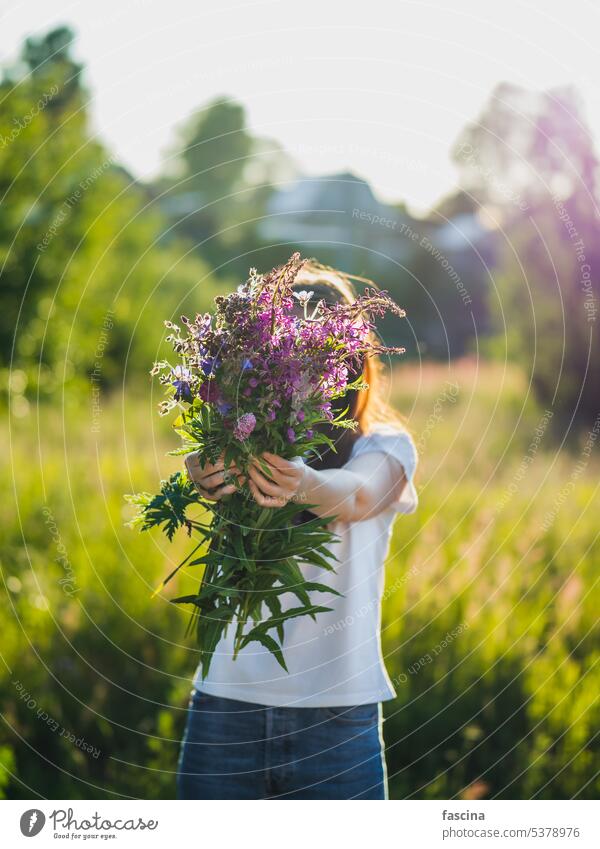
{"points": [[177, 568], [239, 631]]}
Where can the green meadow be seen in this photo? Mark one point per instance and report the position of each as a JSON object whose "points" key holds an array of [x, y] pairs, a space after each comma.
{"points": [[490, 612]]}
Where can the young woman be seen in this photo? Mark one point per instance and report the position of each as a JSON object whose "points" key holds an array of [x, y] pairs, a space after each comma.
{"points": [[254, 731]]}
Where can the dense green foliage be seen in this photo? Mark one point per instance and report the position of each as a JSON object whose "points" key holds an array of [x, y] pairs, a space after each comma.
{"points": [[83, 264]]}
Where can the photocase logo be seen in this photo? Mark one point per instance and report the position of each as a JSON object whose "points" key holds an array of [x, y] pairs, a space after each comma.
{"points": [[32, 822]]}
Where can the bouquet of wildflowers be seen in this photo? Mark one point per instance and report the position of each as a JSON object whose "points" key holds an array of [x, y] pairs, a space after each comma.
{"points": [[258, 375]]}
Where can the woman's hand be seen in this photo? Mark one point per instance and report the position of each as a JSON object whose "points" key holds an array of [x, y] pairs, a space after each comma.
{"points": [[283, 483], [212, 481]]}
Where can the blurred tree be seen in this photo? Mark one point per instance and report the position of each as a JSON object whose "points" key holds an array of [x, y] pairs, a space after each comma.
{"points": [[215, 144], [527, 145], [218, 183], [48, 57], [456, 203], [78, 237], [531, 157]]}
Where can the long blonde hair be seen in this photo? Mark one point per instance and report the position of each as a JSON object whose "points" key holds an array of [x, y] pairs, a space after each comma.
{"points": [[372, 407]]}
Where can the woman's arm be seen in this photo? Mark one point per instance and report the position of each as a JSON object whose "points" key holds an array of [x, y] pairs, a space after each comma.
{"points": [[360, 490]]}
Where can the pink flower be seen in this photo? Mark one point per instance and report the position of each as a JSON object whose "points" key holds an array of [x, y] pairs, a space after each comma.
{"points": [[244, 426], [291, 434], [300, 415]]}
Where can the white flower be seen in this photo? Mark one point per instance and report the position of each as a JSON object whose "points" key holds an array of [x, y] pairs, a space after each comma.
{"points": [[303, 296]]}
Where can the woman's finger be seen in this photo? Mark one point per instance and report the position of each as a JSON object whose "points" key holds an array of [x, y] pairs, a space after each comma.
{"points": [[284, 479], [191, 463], [197, 473], [215, 494], [199, 477], [194, 458], [223, 490], [203, 493], [270, 472], [265, 485], [265, 500], [213, 480], [286, 467], [204, 472]]}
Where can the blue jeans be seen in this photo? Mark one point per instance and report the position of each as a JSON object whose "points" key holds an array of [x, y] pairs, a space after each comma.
{"points": [[239, 750]]}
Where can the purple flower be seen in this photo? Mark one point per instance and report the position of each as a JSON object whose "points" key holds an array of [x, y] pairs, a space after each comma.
{"points": [[223, 407], [183, 376], [209, 365], [299, 363], [208, 391], [244, 426]]}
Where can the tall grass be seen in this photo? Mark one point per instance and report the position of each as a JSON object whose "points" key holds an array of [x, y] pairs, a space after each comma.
{"points": [[491, 635], [492, 638]]}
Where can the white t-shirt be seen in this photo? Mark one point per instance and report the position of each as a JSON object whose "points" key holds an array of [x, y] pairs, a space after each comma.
{"points": [[335, 660]]}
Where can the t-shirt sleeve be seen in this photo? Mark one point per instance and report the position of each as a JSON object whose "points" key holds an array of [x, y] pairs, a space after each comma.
{"points": [[399, 445]]}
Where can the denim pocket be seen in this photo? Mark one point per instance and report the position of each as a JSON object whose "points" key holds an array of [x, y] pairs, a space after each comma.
{"points": [[355, 715]]}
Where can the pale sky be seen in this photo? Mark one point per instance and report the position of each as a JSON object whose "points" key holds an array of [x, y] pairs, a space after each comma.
{"points": [[378, 88]]}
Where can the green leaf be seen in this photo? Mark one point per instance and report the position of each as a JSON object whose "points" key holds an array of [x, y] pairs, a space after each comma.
{"points": [[238, 545], [168, 507], [258, 636], [293, 613], [186, 599], [318, 560], [313, 587], [274, 605], [209, 631]]}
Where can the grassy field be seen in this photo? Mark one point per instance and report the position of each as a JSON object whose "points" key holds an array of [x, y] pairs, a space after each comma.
{"points": [[490, 616], [492, 638]]}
